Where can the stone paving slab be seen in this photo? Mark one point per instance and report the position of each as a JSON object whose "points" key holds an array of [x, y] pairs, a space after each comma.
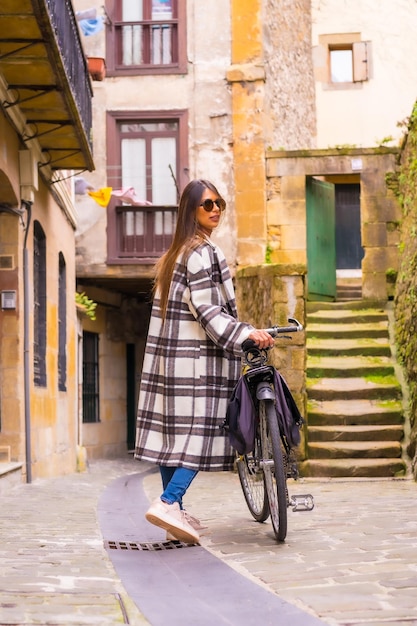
{"points": [[350, 561], [53, 566]]}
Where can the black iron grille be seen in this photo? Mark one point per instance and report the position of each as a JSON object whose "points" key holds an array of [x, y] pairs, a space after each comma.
{"points": [[154, 545]]}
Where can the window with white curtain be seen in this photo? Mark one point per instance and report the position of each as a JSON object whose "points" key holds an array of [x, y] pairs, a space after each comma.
{"points": [[148, 160], [146, 36]]}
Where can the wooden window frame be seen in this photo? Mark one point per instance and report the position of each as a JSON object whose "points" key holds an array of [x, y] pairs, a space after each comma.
{"points": [[39, 305], [114, 118], [91, 379], [113, 68], [361, 60], [62, 323]]}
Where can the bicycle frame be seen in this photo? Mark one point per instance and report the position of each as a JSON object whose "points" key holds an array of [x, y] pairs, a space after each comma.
{"points": [[260, 377]]}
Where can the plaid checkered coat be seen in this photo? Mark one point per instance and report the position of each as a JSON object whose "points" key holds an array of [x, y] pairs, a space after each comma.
{"points": [[192, 362]]}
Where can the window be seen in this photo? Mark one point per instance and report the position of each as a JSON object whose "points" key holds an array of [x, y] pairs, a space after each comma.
{"points": [[146, 37], [91, 397], [349, 64], [342, 61], [147, 154], [39, 305], [62, 324], [341, 66]]}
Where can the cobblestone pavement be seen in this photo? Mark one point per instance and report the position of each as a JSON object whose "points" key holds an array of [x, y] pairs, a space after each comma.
{"points": [[352, 560], [53, 566]]}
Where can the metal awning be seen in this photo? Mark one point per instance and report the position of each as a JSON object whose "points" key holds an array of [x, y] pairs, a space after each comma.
{"points": [[44, 73]]}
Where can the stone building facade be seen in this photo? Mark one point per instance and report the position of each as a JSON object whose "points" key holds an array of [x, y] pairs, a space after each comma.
{"points": [[45, 123], [260, 98]]}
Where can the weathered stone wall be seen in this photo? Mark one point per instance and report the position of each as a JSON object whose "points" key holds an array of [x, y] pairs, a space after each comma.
{"points": [[290, 115], [406, 286], [268, 295]]}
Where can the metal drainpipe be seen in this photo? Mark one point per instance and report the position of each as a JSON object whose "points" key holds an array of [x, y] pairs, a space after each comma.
{"points": [[28, 207]]}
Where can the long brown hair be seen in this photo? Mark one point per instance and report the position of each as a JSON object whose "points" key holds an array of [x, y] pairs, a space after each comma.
{"points": [[188, 235]]}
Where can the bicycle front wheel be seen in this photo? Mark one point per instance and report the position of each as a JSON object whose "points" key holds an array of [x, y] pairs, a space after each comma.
{"points": [[252, 481], [275, 476]]}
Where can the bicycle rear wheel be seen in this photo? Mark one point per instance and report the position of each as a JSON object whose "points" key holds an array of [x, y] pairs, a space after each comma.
{"points": [[275, 475], [252, 481]]}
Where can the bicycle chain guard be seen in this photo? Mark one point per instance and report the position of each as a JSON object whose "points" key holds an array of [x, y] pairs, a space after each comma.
{"points": [[302, 502]]}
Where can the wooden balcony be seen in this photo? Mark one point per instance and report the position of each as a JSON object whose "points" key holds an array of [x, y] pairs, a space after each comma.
{"points": [[142, 233]]}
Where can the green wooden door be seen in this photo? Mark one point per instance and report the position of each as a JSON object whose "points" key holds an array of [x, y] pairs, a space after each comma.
{"points": [[321, 240]]}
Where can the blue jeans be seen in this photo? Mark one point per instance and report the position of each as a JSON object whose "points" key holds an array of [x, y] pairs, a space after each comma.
{"points": [[175, 482]]}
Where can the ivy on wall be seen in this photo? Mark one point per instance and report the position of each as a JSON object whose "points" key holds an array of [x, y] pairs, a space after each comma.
{"points": [[405, 301]]}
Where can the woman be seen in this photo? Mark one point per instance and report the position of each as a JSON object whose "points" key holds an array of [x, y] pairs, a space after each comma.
{"points": [[192, 360]]}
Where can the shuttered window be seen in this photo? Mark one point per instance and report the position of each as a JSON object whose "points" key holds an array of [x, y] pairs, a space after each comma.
{"points": [[349, 64], [39, 305], [62, 323], [91, 390]]}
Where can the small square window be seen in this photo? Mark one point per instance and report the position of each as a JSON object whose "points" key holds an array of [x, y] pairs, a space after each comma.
{"points": [[341, 66]]}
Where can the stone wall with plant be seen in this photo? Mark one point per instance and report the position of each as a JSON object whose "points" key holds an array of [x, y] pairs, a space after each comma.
{"points": [[405, 183]]}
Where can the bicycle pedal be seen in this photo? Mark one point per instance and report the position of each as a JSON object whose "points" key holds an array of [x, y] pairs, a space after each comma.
{"points": [[304, 502]]}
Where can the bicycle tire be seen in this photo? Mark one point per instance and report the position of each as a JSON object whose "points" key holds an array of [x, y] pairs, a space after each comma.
{"points": [[252, 481], [275, 480]]}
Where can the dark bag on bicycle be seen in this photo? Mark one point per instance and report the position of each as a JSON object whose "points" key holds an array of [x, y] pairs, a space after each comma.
{"points": [[290, 420], [240, 421]]}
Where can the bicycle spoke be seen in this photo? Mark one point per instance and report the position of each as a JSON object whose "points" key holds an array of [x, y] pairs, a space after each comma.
{"points": [[251, 477]]}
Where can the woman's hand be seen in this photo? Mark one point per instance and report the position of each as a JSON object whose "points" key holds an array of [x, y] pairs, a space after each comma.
{"points": [[261, 338]]}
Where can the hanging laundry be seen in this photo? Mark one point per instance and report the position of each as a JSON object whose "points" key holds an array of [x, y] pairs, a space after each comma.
{"points": [[128, 195], [81, 186], [101, 196], [91, 27], [88, 14]]}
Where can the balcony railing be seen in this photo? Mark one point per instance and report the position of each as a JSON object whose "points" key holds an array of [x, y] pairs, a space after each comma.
{"points": [[144, 232], [62, 18]]}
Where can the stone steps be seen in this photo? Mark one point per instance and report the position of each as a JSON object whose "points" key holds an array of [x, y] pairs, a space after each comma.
{"points": [[338, 388], [10, 475], [354, 449], [360, 468], [369, 346], [349, 366], [338, 330], [361, 433], [355, 413]]}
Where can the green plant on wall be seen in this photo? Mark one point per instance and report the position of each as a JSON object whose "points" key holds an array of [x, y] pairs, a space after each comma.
{"points": [[268, 254], [406, 285], [89, 306]]}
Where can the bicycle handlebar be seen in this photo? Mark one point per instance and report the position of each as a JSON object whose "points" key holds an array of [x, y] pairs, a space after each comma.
{"points": [[279, 330], [249, 344]]}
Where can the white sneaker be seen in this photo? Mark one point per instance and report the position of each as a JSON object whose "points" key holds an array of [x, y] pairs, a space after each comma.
{"points": [[192, 521], [171, 518]]}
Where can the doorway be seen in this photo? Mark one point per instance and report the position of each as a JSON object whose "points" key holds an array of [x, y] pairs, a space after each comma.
{"points": [[349, 250]]}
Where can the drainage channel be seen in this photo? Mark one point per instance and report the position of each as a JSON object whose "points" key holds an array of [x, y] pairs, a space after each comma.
{"points": [[147, 546], [158, 576]]}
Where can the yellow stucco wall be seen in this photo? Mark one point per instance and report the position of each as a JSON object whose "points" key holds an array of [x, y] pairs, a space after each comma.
{"points": [[53, 413], [247, 79]]}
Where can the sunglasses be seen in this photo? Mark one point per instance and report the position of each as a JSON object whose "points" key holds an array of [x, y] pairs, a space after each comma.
{"points": [[208, 204]]}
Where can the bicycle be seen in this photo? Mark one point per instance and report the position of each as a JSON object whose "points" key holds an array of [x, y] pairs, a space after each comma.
{"points": [[264, 471]]}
